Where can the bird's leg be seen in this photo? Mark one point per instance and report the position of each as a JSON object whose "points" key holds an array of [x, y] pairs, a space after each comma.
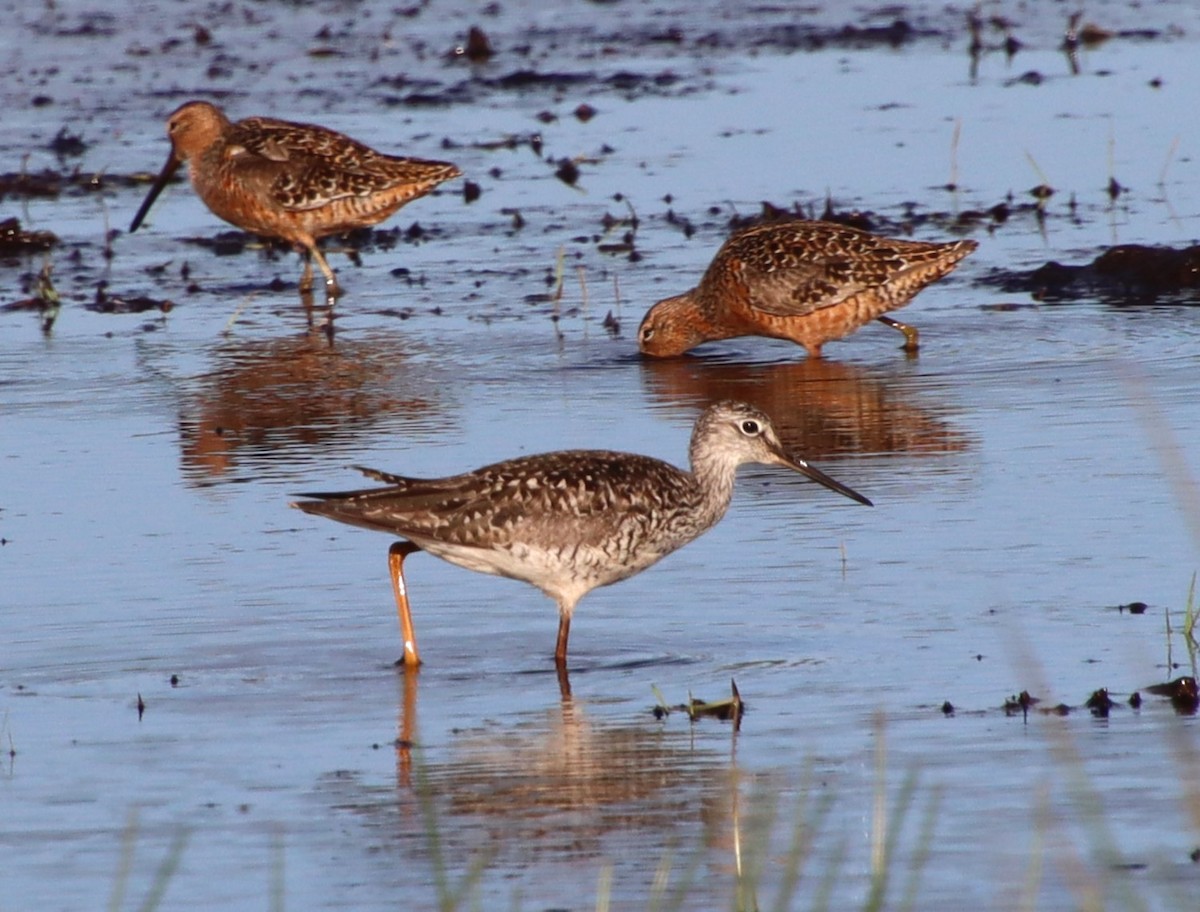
{"points": [[306, 297], [306, 276], [560, 647], [396, 554], [306, 301], [332, 289], [564, 683], [911, 335]]}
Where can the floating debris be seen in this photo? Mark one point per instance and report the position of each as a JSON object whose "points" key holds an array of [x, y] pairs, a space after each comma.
{"points": [[567, 172], [1089, 34], [49, 184], [66, 144], [725, 710], [1021, 703], [107, 303], [1183, 693], [730, 710], [14, 241], [477, 49], [45, 300], [1100, 703]]}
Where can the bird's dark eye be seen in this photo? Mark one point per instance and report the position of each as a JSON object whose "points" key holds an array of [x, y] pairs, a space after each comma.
{"points": [[750, 427], [647, 333]]}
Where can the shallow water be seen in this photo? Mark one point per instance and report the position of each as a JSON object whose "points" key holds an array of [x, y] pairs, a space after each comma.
{"points": [[1032, 469]]}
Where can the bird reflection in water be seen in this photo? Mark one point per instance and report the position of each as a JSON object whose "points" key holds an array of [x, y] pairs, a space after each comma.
{"points": [[295, 395], [556, 788], [821, 408]]}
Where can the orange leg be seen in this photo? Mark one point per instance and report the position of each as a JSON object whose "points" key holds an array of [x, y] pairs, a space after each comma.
{"points": [[911, 336], [396, 555]]}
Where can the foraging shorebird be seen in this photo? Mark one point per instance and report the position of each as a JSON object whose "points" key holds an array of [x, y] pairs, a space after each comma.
{"points": [[293, 181], [569, 521], [807, 281]]}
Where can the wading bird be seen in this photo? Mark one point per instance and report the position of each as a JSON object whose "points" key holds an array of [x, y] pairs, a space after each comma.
{"points": [[569, 521], [293, 181]]}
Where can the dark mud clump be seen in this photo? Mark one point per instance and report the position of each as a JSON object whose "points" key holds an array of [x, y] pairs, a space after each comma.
{"points": [[49, 183], [16, 242], [1020, 703], [67, 145], [909, 220], [1128, 274], [1183, 692], [1100, 703], [581, 57], [105, 302]]}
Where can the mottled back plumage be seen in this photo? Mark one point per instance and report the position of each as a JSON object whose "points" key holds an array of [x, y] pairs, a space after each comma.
{"points": [[806, 281], [294, 181], [567, 522]]}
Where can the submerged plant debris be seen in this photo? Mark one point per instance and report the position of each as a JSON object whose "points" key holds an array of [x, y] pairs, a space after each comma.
{"points": [[108, 303], [16, 241], [1182, 692], [46, 299], [729, 710]]}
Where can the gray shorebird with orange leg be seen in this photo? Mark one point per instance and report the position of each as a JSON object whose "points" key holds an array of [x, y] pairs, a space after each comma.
{"points": [[569, 521]]}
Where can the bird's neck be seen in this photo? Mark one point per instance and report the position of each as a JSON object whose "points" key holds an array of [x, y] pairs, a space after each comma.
{"points": [[715, 478]]}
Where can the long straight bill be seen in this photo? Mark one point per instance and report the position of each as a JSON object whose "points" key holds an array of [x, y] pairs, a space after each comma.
{"points": [[820, 477], [169, 168]]}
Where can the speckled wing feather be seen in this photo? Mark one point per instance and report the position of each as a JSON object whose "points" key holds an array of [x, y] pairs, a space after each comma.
{"points": [[323, 166], [318, 184], [795, 268], [803, 288], [281, 140], [532, 500]]}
